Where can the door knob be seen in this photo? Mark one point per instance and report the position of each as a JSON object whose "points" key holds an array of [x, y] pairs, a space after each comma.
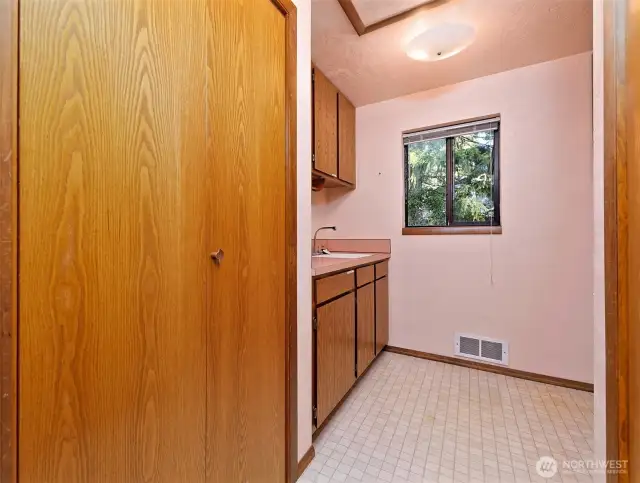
{"points": [[218, 256]]}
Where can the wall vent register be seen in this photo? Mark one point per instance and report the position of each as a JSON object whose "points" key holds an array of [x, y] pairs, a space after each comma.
{"points": [[482, 349]]}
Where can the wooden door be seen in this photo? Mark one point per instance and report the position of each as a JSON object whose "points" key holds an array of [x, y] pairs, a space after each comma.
{"points": [[335, 353], [382, 313], [346, 140], [325, 121], [114, 212], [246, 332], [366, 326]]}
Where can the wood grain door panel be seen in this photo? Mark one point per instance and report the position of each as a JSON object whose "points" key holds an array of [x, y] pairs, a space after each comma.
{"points": [[246, 333], [382, 313], [113, 217], [366, 326], [335, 353], [325, 119], [346, 140]]}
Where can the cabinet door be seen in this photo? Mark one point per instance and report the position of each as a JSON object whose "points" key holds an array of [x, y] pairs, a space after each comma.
{"points": [[382, 313], [325, 115], [366, 326], [346, 140], [335, 353]]}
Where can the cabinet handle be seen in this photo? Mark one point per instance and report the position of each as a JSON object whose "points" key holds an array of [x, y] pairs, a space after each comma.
{"points": [[349, 272], [218, 256]]}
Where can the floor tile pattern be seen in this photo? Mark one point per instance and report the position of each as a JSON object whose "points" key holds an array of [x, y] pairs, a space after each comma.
{"points": [[419, 421]]}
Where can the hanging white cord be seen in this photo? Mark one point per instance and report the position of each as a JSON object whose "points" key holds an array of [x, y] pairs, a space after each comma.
{"points": [[491, 216], [491, 253]]}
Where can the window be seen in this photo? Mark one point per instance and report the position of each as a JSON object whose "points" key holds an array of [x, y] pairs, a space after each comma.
{"points": [[452, 178]]}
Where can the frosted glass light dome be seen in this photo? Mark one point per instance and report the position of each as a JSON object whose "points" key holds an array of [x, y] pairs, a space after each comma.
{"points": [[441, 42]]}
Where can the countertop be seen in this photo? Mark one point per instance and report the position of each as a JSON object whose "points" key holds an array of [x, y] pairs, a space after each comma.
{"points": [[328, 265]]}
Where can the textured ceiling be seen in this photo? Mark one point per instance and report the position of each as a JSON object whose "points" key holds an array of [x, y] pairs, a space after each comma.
{"points": [[510, 34]]}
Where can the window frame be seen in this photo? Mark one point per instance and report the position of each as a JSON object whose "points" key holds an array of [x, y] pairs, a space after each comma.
{"points": [[452, 226]]}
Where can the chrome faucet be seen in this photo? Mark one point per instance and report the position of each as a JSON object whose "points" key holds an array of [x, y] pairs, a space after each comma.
{"points": [[315, 250]]}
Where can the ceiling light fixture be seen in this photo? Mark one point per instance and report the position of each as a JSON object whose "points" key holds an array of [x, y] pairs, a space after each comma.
{"points": [[441, 42]]}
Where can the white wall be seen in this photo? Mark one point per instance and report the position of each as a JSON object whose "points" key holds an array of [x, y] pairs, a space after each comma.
{"points": [[600, 396], [540, 299], [304, 225]]}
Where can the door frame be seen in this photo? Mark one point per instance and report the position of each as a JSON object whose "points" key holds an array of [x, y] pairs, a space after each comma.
{"points": [[288, 9], [622, 231], [9, 62], [8, 237]]}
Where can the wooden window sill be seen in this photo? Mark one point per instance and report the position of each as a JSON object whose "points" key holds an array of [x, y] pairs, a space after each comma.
{"points": [[453, 230]]}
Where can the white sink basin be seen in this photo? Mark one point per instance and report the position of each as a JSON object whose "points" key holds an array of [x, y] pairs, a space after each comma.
{"points": [[343, 255]]}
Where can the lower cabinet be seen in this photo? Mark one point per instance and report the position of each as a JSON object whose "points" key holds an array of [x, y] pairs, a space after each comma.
{"points": [[382, 313], [351, 327], [335, 361], [366, 299]]}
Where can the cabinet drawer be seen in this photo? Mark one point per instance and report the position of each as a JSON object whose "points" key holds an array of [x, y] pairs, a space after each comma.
{"points": [[364, 275], [382, 269], [327, 288]]}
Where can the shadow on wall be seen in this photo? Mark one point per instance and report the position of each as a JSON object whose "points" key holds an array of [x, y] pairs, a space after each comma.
{"points": [[330, 195]]}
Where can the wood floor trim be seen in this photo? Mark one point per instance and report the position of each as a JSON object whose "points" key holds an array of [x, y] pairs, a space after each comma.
{"points": [[304, 463], [505, 371]]}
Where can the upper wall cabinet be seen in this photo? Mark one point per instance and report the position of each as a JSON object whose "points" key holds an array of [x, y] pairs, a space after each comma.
{"points": [[334, 129]]}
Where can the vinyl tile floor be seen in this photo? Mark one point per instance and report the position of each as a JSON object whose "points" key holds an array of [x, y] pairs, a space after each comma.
{"points": [[419, 421]]}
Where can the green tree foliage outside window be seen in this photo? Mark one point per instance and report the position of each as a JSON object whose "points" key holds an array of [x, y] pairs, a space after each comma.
{"points": [[427, 183], [473, 181]]}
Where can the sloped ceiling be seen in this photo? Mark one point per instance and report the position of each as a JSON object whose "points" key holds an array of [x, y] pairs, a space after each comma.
{"points": [[510, 34]]}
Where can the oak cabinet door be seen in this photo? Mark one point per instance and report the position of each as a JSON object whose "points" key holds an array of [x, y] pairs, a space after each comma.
{"points": [[382, 313], [325, 116], [346, 140], [335, 353], [366, 327]]}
